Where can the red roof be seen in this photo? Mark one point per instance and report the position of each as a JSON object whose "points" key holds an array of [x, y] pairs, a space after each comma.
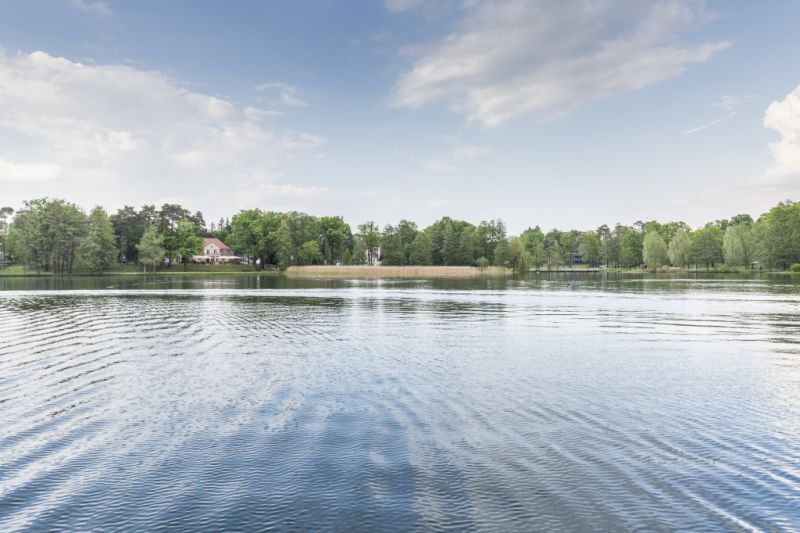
{"points": [[210, 240]]}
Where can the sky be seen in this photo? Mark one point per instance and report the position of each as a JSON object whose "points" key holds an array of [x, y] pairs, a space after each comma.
{"points": [[557, 113]]}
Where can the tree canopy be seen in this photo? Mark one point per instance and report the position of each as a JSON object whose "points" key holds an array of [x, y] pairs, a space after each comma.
{"points": [[54, 235]]}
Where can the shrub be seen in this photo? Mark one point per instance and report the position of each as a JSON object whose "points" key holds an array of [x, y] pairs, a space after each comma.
{"points": [[795, 267]]}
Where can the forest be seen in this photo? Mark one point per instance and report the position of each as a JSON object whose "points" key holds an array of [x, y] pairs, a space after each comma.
{"points": [[56, 236]]}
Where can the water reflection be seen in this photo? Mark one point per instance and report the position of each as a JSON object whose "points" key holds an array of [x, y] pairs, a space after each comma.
{"points": [[525, 404], [772, 283]]}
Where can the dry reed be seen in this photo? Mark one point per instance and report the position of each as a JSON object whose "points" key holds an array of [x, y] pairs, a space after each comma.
{"points": [[362, 271]]}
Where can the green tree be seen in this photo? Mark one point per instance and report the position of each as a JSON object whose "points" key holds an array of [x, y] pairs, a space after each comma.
{"points": [[396, 243], [631, 247], [271, 222], [247, 234], [5, 216], [347, 257], [169, 218], [612, 244], [370, 239], [187, 241], [465, 255], [502, 254], [654, 250], [309, 254], [284, 239], [12, 243], [450, 246], [98, 250], [570, 240], [333, 234], [436, 232], [707, 246], [392, 250], [129, 226], [680, 249], [420, 251], [552, 249], [780, 234], [590, 248], [670, 229], [48, 233], [487, 236], [257, 235], [406, 231], [534, 243], [151, 249], [304, 228], [733, 245], [519, 259]]}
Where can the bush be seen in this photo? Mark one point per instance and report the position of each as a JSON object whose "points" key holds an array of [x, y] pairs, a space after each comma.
{"points": [[795, 268]]}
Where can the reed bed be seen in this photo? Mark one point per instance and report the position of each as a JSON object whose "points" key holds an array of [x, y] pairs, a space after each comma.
{"points": [[363, 271]]}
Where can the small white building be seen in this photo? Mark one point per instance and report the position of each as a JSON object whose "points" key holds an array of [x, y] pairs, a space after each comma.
{"points": [[373, 256]]}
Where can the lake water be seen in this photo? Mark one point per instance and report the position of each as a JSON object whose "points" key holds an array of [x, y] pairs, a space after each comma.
{"points": [[258, 403]]}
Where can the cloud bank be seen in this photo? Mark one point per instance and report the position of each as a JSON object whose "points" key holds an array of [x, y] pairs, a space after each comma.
{"points": [[543, 58], [112, 133], [783, 116]]}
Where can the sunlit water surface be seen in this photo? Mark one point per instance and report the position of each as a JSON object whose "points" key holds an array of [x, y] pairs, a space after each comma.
{"points": [[263, 403]]}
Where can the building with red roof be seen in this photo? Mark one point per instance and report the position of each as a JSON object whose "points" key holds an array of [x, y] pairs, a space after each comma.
{"points": [[215, 251], [215, 248]]}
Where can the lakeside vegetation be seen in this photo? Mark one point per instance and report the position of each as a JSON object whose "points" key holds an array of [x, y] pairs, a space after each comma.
{"points": [[55, 237]]}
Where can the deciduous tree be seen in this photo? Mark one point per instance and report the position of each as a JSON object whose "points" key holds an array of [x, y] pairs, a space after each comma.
{"points": [[188, 242], [151, 249], [97, 250], [680, 248], [654, 250]]}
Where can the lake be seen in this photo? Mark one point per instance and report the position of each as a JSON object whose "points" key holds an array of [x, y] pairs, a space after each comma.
{"points": [[264, 403]]}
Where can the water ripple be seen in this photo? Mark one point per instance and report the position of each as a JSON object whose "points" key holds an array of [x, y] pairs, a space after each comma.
{"points": [[542, 405]]}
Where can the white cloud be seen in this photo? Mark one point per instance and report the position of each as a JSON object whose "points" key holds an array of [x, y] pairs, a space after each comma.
{"points": [[732, 103], [27, 172], [287, 93], [758, 193], [428, 8], [784, 117], [458, 153], [114, 134], [703, 127], [255, 113], [544, 58], [97, 8]]}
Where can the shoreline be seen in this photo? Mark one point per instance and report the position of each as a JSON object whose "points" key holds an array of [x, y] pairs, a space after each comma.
{"points": [[376, 272]]}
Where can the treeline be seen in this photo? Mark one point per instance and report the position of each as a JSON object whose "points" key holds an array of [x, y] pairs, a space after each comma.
{"points": [[55, 235]]}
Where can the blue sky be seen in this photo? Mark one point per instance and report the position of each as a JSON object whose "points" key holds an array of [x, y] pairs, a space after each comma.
{"points": [[562, 114]]}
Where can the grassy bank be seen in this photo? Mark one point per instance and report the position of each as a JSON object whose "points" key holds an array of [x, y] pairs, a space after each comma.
{"points": [[360, 271], [134, 270]]}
